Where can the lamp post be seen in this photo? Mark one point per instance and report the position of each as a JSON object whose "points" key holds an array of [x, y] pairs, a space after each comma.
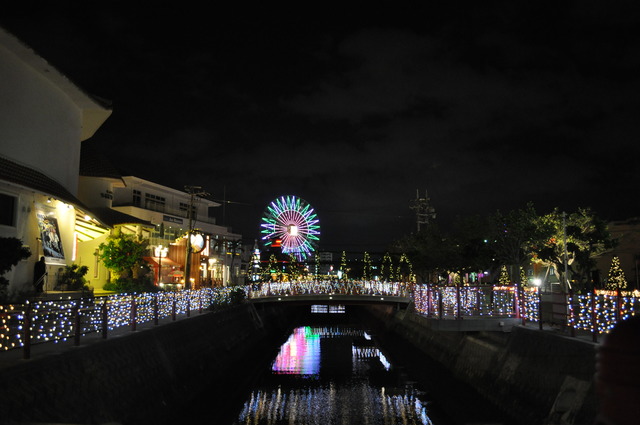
{"points": [[538, 283], [160, 252]]}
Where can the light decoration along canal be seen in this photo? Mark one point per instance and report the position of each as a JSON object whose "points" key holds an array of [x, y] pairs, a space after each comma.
{"points": [[319, 400], [291, 223]]}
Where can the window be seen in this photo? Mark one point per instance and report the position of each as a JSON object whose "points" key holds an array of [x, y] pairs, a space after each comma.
{"points": [[184, 207], [154, 202], [137, 198], [8, 205]]}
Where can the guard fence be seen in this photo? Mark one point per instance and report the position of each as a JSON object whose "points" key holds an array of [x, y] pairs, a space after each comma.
{"points": [[23, 325]]}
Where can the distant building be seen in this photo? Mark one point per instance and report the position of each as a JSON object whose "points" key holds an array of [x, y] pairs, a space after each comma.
{"points": [[162, 215], [627, 233]]}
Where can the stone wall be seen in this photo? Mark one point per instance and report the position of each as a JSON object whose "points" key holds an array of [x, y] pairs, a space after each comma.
{"points": [[534, 377], [150, 375]]}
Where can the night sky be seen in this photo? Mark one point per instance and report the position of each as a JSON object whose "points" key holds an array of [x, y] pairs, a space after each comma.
{"points": [[486, 105]]}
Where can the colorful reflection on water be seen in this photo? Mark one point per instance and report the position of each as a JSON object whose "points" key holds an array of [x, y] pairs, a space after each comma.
{"points": [[334, 375], [300, 354]]}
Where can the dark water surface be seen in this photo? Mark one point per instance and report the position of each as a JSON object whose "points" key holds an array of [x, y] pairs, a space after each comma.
{"points": [[334, 375], [341, 369]]}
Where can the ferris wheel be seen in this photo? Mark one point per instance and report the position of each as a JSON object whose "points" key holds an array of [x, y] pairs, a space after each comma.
{"points": [[293, 222]]}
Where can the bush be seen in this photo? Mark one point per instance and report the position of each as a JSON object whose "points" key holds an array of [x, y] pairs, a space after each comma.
{"points": [[72, 278], [11, 253], [237, 295], [129, 285]]}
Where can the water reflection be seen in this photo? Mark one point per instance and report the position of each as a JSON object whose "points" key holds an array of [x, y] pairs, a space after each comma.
{"points": [[333, 375]]}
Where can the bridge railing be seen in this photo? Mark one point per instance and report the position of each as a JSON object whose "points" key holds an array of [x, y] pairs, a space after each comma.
{"points": [[293, 288], [596, 312], [465, 301], [24, 325]]}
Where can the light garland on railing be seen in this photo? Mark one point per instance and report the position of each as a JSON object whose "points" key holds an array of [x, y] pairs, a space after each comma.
{"points": [[609, 307], [370, 287], [531, 304], [474, 300], [55, 320]]}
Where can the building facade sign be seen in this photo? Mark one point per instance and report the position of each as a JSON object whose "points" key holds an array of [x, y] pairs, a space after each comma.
{"points": [[171, 219]]}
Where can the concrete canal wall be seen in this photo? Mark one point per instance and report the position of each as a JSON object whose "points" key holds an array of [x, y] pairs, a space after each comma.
{"points": [[148, 375], [534, 377]]}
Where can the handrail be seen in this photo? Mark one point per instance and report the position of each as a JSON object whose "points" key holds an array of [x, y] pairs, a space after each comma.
{"points": [[22, 326]]}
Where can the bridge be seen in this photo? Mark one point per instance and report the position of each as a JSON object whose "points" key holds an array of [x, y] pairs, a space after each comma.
{"points": [[332, 293]]}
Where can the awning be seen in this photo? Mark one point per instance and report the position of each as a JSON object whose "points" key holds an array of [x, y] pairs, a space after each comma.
{"points": [[166, 262]]}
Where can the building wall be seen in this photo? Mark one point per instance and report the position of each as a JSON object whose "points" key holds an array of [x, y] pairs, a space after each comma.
{"points": [[94, 191], [39, 124], [628, 251], [43, 119]]}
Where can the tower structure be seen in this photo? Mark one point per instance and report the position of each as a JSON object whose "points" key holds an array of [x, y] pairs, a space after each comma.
{"points": [[424, 210]]}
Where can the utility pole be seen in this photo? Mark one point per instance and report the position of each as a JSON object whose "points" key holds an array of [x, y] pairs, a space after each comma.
{"points": [[193, 191], [424, 211], [566, 259]]}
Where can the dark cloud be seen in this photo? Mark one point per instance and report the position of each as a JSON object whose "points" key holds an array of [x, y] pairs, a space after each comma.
{"points": [[486, 106]]}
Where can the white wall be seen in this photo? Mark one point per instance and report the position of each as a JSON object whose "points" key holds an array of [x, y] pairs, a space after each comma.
{"points": [[40, 126]]}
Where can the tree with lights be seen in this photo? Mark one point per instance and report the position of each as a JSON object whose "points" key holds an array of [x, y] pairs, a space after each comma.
{"points": [[572, 241], [272, 271], [366, 268], [523, 277], [386, 269], [343, 265], [504, 279], [616, 279], [405, 271]]}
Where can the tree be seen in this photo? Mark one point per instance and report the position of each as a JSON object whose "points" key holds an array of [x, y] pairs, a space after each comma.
{"points": [[504, 278], [272, 270], [72, 277], [366, 266], [404, 272], [582, 234], [11, 253], [386, 269], [512, 235], [469, 250], [123, 254], [616, 279], [428, 250], [343, 266]]}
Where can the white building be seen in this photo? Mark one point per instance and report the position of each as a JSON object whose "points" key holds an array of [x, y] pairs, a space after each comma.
{"points": [[160, 214], [44, 118]]}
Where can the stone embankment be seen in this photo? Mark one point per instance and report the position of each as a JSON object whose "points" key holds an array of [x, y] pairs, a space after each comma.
{"points": [[155, 375], [534, 377]]}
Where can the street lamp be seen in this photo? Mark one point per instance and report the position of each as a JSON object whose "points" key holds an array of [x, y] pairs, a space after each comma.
{"points": [[538, 283], [160, 252]]}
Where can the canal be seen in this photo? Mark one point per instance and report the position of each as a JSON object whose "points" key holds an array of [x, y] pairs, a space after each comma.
{"points": [[338, 366]]}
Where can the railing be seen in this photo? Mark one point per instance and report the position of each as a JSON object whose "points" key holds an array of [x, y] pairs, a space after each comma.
{"points": [[22, 326], [271, 289], [596, 312]]}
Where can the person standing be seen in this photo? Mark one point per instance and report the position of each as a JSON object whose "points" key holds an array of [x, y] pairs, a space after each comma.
{"points": [[39, 273]]}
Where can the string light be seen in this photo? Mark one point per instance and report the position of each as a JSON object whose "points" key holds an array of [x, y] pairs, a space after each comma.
{"points": [[55, 320]]}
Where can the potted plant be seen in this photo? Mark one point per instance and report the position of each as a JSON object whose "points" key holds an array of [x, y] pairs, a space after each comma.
{"points": [[72, 278]]}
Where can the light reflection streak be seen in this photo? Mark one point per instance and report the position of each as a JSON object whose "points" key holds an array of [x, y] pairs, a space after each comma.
{"points": [[330, 402]]}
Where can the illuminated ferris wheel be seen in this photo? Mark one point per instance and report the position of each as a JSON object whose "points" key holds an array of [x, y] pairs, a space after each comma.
{"points": [[291, 222]]}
